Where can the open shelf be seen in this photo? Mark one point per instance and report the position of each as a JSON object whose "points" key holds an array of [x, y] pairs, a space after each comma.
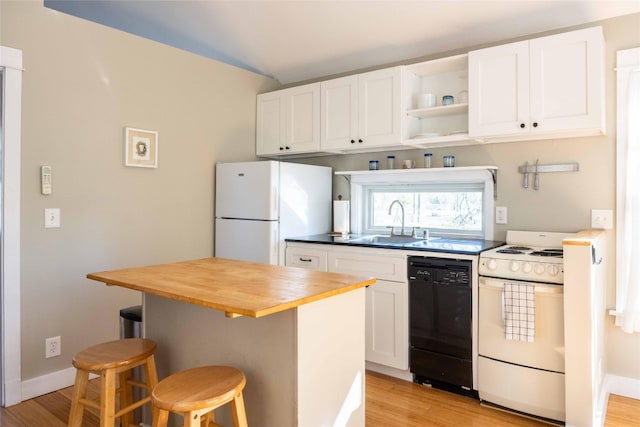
{"points": [[442, 110]]}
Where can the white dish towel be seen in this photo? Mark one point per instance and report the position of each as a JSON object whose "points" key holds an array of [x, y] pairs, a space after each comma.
{"points": [[519, 308]]}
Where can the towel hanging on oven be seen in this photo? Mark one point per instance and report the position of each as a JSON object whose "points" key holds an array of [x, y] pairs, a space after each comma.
{"points": [[519, 311]]}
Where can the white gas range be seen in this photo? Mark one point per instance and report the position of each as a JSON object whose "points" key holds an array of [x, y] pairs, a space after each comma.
{"points": [[521, 325]]}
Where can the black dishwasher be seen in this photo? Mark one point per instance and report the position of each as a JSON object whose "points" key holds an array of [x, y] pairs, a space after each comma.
{"points": [[440, 323]]}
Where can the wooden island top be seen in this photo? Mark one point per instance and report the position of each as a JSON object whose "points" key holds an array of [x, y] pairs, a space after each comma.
{"points": [[235, 287]]}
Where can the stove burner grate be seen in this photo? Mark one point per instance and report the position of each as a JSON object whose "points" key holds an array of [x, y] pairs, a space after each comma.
{"points": [[548, 252], [509, 251], [515, 250]]}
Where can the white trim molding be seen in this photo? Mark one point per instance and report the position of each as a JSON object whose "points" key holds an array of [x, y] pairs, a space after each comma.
{"points": [[48, 383], [623, 386], [11, 62]]}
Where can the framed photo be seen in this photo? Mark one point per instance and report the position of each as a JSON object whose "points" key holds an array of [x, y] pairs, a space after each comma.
{"points": [[141, 148]]}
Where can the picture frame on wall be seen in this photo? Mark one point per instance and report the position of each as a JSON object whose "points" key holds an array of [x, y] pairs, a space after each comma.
{"points": [[141, 148]]}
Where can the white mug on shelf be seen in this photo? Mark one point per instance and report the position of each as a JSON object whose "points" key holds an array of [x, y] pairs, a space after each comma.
{"points": [[426, 100], [408, 164]]}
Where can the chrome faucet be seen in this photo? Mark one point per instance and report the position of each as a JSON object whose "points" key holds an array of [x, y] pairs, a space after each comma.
{"points": [[402, 209]]}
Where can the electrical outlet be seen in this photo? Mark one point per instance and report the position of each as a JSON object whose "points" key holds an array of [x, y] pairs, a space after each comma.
{"points": [[602, 218], [52, 347]]}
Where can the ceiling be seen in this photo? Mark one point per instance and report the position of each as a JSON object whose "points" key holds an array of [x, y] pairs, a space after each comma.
{"points": [[299, 40]]}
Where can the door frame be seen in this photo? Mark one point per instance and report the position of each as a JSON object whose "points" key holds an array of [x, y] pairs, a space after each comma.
{"points": [[11, 392]]}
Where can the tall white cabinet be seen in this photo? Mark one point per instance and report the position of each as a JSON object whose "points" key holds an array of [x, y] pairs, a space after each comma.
{"points": [[550, 85], [361, 111], [288, 121]]}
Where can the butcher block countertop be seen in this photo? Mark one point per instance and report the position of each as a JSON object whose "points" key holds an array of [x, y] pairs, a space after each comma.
{"points": [[235, 287]]}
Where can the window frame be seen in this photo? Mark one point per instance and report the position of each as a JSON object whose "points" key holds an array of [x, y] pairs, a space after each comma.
{"points": [[433, 188], [423, 177], [626, 310]]}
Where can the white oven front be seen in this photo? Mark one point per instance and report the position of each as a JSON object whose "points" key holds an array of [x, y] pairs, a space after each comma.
{"points": [[519, 374]]}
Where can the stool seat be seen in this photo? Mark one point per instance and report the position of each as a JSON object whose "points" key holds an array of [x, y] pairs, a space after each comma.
{"points": [[113, 361], [199, 391], [114, 354]]}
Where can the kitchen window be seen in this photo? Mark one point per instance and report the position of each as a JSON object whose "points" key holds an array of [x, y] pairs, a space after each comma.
{"points": [[443, 209], [453, 203]]}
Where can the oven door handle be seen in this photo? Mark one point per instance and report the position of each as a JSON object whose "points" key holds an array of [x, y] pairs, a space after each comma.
{"points": [[541, 288]]}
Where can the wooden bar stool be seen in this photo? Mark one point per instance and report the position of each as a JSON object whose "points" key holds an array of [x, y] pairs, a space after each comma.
{"points": [[110, 360], [196, 393]]}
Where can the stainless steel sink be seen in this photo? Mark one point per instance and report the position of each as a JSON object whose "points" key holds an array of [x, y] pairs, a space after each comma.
{"points": [[389, 240]]}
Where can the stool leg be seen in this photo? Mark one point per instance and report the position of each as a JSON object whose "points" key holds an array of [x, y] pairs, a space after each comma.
{"points": [[160, 417], [79, 392], [237, 411], [126, 397], [192, 419], [209, 419], [108, 398], [150, 374]]}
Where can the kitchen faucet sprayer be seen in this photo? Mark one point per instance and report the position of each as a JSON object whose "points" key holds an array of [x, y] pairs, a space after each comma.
{"points": [[402, 210]]}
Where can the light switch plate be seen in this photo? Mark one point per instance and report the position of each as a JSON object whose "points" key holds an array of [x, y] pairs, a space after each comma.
{"points": [[52, 218], [602, 218], [501, 215]]}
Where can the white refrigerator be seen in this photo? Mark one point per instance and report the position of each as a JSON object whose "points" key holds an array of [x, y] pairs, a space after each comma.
{"points": [[259, 204]]}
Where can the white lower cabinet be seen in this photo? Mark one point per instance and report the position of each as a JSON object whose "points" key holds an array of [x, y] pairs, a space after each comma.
{"points": [[387, 332], [387, 305]]}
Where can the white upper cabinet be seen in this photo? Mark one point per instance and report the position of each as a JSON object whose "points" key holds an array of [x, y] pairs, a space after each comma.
{"points": [[547, 87], [361, 112], [288, 121]]}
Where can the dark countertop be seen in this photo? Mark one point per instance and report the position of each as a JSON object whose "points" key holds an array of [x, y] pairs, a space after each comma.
{"points": [[453, 246]]}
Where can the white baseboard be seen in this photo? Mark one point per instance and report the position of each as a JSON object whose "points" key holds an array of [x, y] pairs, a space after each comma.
{"points": [[623, 386], [392, 372], [48, 383]]}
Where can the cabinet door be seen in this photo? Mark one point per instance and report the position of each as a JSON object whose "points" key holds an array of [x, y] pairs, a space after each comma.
{"points": [[379, 107], [339, 117], [499, 90], [387, 307], [566, 81], [386, 319], [270, 123], [302, 118]]}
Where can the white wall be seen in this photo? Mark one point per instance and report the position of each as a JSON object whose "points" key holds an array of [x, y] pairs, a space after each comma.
{"points": [[83, 84]]}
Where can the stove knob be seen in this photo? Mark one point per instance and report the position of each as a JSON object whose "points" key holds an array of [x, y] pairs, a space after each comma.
{"points": [[539, 268], [515, 266], [527, 267], [492, 264], [553, 269]]}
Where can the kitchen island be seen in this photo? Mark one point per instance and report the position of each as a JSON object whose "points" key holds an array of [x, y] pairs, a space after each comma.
{"points": [[298, 335]]}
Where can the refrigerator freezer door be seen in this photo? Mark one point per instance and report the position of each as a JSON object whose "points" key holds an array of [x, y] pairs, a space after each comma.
{"points": [[247, 190], [247, 240]]}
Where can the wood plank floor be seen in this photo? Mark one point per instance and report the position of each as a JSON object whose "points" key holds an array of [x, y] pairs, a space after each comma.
{"points": [[390, 402]]}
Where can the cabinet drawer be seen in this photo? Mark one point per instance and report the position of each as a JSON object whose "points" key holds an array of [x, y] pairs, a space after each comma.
{"points": [[313, 259], [384, 267]]}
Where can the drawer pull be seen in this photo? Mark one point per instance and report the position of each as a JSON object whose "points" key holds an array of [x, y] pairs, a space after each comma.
{"points": [[305, 259]]}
